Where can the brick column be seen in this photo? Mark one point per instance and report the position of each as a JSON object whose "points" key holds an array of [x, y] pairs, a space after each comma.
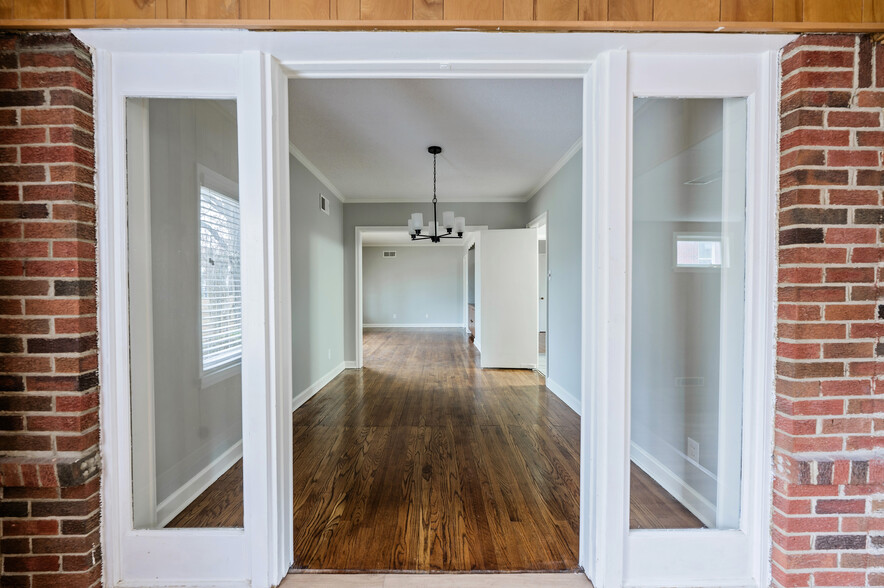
{"points": [[49, 515], [828, 517]]}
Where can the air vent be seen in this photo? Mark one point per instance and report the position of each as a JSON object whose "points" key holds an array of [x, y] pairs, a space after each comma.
{"points": [[685, 382], [389, 254], [323, 204]]}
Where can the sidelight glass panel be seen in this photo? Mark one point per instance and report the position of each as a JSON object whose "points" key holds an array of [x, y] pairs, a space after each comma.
{"points": [[688, 298], [185, 309]]}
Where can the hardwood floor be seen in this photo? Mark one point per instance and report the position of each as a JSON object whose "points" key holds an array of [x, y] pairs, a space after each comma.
{"points": [[652, 507], [220, 505], [421, 461]]}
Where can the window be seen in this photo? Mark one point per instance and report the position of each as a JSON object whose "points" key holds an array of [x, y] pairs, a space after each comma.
{"points": [[220, 293], [694, 250]]}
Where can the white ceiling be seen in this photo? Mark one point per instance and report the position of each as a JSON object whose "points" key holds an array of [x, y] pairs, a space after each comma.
{"points": [[500, 138]]}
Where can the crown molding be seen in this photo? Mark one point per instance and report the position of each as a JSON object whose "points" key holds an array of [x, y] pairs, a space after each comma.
{"points": [[296, 153], [571, 152]]}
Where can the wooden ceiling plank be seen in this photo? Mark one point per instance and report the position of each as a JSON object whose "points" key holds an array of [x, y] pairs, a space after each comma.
{"points": [[556, 10], [255, 9], [300, 9], [873, 11], [631, 10], [428, 10], [518, 9], [747, 10], [125, 9], [386, 9], [345, 9], [7, 9], [788, 10], [473, 10], [212, 9], [593, 10], [833, 11], [51, 9], [79, 8], [687, 10]]}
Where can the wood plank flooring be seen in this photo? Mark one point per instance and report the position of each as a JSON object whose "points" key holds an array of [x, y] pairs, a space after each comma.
{"points": [[422, 461]]}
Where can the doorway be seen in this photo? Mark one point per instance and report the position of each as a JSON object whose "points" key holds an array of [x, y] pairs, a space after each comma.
{"points": [[259, 554]]}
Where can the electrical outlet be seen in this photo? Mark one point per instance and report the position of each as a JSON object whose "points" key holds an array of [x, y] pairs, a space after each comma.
{"points": [[428, 315], [394, 315], [329, 352], [693, 450]]}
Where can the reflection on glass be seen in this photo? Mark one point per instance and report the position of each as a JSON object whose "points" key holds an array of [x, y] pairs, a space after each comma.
{"points": [[688, 284], [185, 309]]}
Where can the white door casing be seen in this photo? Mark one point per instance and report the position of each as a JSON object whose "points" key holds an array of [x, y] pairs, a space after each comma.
{"points": [[243, 65]]}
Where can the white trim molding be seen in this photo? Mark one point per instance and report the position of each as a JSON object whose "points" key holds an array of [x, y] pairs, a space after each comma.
{"points": [[556, 168], [680, 490], [299, 399], [299, 155], [568, 398], [178, 500]]}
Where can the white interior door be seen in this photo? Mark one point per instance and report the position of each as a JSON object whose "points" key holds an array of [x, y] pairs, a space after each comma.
{"points": [[508, 292], [541, 289], [193, 318]]}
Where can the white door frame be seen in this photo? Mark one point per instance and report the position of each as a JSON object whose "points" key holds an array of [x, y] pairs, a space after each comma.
{"points": [[678, 557], [255, 555], [543, 219], [264, 548], [360, 231]]}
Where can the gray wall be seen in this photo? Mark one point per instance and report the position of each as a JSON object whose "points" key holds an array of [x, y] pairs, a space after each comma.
{"points": [[422, 285], [317, 279], [194, 426], [494, 215], [561, 198]]}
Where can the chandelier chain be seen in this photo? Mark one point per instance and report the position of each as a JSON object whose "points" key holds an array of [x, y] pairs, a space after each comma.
{"points": [[434, 178]]}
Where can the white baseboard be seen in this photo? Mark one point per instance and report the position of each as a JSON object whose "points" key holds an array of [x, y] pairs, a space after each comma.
{"points": [[350, 365], [413, 325], [187, 493], [316, 386], [572, 401], [690, 498]]}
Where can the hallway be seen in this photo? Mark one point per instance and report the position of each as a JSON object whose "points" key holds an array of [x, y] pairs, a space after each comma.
{"points": [[423, 461]]}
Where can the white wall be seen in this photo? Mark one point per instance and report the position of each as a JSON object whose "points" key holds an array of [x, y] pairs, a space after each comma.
{"points": [[194, 426], [561, 197], [422, 285], [493, 215], [317, 280]]}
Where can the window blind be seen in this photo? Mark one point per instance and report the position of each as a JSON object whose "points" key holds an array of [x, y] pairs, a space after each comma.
{"points": [[220, 292]]}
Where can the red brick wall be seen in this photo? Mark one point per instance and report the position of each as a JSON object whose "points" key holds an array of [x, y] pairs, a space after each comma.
{"points": [[48, 369], [828, 517]]}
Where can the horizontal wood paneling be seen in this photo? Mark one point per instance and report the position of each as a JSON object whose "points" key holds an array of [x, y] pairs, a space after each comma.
{"points": [[639, 15]]}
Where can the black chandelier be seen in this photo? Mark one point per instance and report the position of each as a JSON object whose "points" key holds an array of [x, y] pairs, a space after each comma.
{"points": [[450, 223]]}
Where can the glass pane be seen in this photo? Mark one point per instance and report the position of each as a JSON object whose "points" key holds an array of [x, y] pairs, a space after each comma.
{"points": [[185, 310], [688, 282]]}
